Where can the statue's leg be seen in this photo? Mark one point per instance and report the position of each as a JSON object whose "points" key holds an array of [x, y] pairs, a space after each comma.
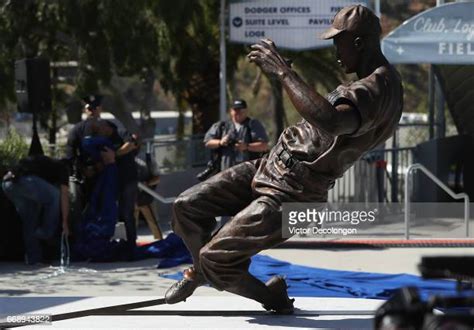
{"points": [[194, 213], [226, 258]]}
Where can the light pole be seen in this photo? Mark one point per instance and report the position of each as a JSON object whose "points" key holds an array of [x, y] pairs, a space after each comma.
{"points": [[222, 73]]}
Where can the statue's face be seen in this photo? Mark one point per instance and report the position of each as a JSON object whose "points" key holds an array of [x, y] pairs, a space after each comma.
{"points": [[348, 55]]}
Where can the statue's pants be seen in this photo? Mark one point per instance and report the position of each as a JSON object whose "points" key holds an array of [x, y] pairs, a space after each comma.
{"points": [[224, 258]]}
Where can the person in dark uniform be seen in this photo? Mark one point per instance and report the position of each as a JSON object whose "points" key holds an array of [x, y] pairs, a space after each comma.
{"points": [[127, 145], [239, 139], [303, 165], [80, 167], [124, 149]]}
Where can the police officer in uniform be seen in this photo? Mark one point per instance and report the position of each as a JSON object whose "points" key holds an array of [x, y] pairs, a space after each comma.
{"points": [[75, 156], [239, 139], [124, 152]]}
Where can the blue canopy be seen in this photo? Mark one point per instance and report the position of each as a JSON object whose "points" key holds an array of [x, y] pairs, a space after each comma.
{"points": [[441, 35]]}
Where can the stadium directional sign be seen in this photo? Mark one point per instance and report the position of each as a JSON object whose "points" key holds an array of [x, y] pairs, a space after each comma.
{"points": [[291, 24]]}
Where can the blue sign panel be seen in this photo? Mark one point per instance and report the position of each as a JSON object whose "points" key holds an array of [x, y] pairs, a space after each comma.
{"points": [[441, 35]]}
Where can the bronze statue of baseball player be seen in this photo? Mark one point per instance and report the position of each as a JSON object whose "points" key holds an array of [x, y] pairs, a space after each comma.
{"points": [[309, 156]]}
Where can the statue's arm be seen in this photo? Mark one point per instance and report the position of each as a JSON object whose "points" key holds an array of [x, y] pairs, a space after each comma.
{"points": [[317, 110]]}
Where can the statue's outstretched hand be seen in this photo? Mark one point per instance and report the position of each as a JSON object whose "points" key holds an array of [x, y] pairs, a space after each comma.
{"points": [[266, 56]]}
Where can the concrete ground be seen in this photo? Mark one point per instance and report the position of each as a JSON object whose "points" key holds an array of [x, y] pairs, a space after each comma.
{"points": [[142, 278], [26, 289], [199, 312]]}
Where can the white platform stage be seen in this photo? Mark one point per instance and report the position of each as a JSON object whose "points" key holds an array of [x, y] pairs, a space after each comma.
{"points": [[197, 312]]}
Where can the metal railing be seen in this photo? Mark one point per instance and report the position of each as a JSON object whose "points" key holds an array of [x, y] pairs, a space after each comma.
{"points": [[451, 193], [376, 177], [173, 155], [155, 195]]}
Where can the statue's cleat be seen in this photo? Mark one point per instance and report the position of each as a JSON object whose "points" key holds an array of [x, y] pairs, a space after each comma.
{"points": [[182, 289], [281, 304]]}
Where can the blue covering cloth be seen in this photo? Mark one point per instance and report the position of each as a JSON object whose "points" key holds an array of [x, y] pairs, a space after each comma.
{"points": [[93, 145], [170, 250], [318, 282], [98, 223], [102, 212], [100, 216]]}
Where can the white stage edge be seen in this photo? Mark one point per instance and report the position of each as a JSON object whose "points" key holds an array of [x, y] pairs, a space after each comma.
{"points": [[197, 312]]}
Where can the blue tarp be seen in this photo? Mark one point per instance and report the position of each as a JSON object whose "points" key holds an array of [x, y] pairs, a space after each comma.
{"points": [[318, 282], [171, 251], [98, 221], [305, 281]]}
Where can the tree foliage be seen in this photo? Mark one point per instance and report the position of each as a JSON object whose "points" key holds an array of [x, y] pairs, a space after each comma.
{"points": [[12, 149], [190, 56], [176, 42], [178, 39], [105, 37]]}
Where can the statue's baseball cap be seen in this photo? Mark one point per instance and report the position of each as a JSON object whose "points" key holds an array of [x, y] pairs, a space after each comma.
{"points": [[357, 19]]}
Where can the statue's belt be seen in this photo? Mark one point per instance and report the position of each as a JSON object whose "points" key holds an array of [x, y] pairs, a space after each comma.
{"points": [[294, 164], [285, 156]]}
